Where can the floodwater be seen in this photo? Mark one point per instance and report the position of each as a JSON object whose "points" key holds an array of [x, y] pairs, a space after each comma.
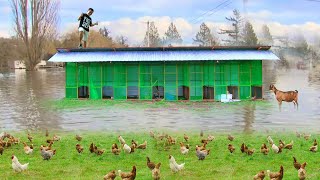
{"points": [[24, 97]]}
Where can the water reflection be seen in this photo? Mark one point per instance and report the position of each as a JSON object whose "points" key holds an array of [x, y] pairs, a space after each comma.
{"points": [[23, 94]]}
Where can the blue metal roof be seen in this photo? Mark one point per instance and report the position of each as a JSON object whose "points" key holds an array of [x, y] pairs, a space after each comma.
{"points": [[165, 55]]}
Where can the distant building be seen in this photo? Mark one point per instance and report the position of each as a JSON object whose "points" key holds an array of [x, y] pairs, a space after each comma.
{"points": [[170, 73]]}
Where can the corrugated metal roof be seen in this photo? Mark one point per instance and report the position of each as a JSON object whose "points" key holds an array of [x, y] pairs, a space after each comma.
{"points": [[181, 55]]}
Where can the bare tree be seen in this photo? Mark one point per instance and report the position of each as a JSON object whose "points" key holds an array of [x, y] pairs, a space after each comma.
{"points": [[35, 21]]}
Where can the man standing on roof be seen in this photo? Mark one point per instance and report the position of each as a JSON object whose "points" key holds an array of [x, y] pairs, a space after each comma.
{"points": [[85, 23]]}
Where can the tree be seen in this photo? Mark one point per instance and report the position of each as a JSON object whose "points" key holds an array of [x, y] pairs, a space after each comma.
{"points": [[105, 33], [249, 36], [172, 36], [204, 36], [35, 21], [154, 39], [301, 45], [122, 40], [266, 36], [233, 33]]}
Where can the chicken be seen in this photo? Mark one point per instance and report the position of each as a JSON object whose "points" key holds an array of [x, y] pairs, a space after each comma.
{"points": [[202, 154], [16, 166], [30, 137], [231, 138], [151, 133], [150, 164], [79, 148], [100, 151], [276, 175], [244, 148], [110, 176], [78, 137], [302, 171], [259, 176], [296, 164], [231, 148], [186, 138], [306, 136], [1, 149], [299, 135], [143, 145], [275, 148], [126, 148], [133, 147], [93, 148], [203, 147], [14, 140], [184, 149], [156, 172], [56, 138], [47, 147], [50, 141], [47, 133], [171, 140], [289, 146], [128, 175], [115, 150], [27, 149], [264, 149], [174, 166], [133, 142], [250, 152], [210, 138], [270, 140], [121, 140], [314, 148], [204, 141], [47, 155], [281, 143]]}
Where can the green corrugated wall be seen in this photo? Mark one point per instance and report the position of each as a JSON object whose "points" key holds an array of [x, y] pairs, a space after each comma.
{"points": [[140, 78]]}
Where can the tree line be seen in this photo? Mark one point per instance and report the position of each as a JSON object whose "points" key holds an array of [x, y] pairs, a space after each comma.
{"points": [[36, 36]]}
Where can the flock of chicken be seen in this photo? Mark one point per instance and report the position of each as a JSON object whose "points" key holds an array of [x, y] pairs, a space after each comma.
{"points": [[7, 140]]}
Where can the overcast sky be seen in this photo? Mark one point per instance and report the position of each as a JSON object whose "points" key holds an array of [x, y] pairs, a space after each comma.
{"points": [[128, 17]]}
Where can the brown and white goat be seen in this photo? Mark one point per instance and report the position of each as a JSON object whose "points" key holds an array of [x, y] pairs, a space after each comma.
{"points": [[288, 96]]}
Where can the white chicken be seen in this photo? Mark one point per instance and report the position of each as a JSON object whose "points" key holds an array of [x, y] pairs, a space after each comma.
{"points": [[270, 140], [121, 140], [27, 149], [126, 148], [174, 166], [184, 149], [275, 148], [16, 166]]}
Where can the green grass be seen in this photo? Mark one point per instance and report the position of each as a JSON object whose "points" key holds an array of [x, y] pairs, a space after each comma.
{"points": [[220, 164]]}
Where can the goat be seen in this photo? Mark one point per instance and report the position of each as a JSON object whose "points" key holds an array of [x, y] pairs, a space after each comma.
{"points": [[288, 96]]}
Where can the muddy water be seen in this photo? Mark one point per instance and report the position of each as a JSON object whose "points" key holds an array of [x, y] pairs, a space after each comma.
{"points": [[24, 98]]}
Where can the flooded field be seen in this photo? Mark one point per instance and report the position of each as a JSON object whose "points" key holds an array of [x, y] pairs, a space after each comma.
{"points": [[34, 100]]}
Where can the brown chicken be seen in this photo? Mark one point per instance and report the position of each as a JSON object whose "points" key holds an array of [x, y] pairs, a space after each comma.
{"points": [[156, 172], [151, 133], [128, 175], [203, 147], [296, 164], [204, 141], [186, 138], [302, 171], [264, 149], [306, 136], [231, 148], [281, 144], [93, 148], [115, 150], [78, 137], [150, 164], [314, 148], [259, 176], [231, 138], [1, 149], [50, 141], [30, 137], [276, 175], [244, 148], [134, 143], [100, 151], [110, 176], [289, 146], [79, 148], [46, 148], [250, 152], [143, 145]]}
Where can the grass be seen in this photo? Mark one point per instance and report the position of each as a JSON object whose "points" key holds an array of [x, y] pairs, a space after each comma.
{"points": [[220, 164]]}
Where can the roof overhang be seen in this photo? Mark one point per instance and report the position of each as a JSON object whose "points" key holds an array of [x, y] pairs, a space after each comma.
{"points": [[159, 54]]}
